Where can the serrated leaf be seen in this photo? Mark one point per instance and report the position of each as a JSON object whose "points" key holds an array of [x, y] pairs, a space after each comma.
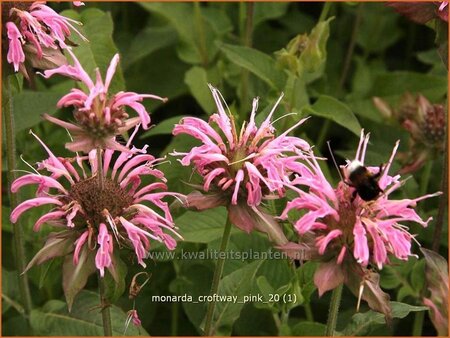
{"points": [[333, 109], [363, 323], [75, 276], [260, 64], [84, 320]]}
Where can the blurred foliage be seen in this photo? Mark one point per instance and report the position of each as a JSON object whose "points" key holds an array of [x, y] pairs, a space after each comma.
{"points": [[328, 63]]}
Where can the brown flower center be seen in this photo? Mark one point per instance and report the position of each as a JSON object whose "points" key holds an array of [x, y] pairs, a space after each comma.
{"points": [[95, 200]]}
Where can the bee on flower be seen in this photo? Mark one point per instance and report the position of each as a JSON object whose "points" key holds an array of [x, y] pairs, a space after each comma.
{"points": [[350, 232]]}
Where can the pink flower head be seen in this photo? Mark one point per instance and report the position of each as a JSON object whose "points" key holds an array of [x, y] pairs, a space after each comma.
{"points": [[240, 167], [344, 223], [37, 31], [347, 233], [100, 115], [122, 212]]}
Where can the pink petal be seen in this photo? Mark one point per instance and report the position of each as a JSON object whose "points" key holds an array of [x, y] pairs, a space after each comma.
{"points": [[78, 245], [15, 55], [31, 203]]}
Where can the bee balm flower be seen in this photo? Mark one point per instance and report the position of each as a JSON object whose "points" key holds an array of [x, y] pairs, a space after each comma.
{"points": [[97, 220], [36, 33], [99, 115], [349, 233], [240, 168]]}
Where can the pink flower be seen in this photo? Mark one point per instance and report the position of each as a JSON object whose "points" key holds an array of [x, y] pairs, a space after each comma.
{"points": [[122, 213], [240, 168], [369, 229], [37, 31], [349, 233], [99, 115]]}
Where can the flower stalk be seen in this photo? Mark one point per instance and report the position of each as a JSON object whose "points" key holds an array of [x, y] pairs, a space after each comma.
{"points": [[209, 330], [333, 311], [106, 315], [20, 258]]}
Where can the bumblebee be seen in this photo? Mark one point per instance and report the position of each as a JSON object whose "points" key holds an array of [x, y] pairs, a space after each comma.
{"points": [[364, 182]]}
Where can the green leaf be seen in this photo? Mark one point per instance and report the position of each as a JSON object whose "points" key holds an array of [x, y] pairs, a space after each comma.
{"points": [[397, 83], [418, 276], [379, 28], [260, 64], [84, 320], [98, 52], [58, 244], [196, 79], [194, 280], [158, 37], [10, 291], [308, 329], [238, 283], [265, 287], [330, 108], [28, 106], [391, 86], [115, 279], [165, 127], [268, 11], [75, 276], [202, 227], [363, 323], [196, 33]]}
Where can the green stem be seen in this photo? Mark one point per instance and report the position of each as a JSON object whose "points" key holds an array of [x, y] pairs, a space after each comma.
{"points": [[350, 48], [201, 33], [333, 311], [308, 312], [418, 323], [106, 315], [246, 37], [325, 10], [19, 249], [425, 179], [174, 321], [209, 330]]}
